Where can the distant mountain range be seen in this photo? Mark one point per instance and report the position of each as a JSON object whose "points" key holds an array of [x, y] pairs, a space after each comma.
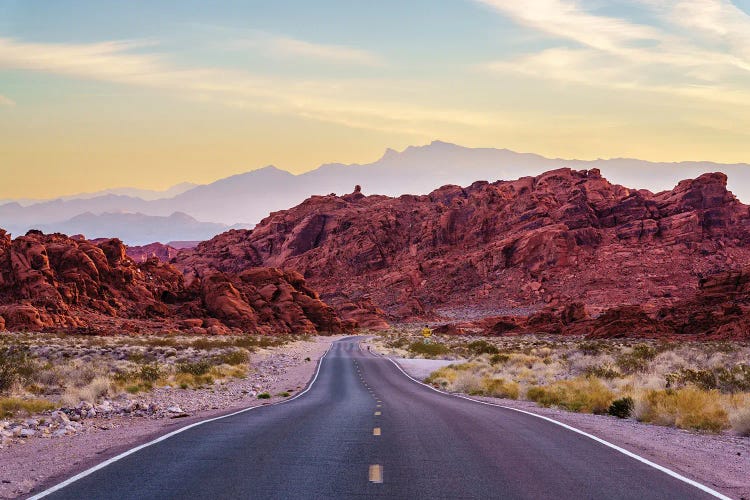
{"points": [[247, 198], [137, 228]]}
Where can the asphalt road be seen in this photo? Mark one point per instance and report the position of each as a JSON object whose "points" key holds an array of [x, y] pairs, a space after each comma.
{"points": [[325, 444]]}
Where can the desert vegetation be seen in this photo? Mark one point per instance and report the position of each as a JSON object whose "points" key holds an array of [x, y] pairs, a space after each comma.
{"points": [[41, 371], [702, 386]]}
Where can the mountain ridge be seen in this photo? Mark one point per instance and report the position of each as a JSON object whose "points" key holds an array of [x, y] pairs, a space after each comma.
{"points": [[247, 198]]}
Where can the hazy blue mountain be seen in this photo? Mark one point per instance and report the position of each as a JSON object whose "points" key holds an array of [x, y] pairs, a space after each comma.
{"points": [[137, 228], [249, 197]]}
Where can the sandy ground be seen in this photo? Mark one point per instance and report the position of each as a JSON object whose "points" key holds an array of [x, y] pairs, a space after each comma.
{"points": [[42, 462], [721, 461]]}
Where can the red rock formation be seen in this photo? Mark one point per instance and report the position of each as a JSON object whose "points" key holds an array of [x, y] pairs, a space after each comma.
{"points": [[56, 282], [529, 243], [159, 250]]}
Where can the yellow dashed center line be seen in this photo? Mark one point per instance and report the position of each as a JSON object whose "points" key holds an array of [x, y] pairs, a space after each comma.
{"points": [[376, 431], [377, 413], [376, 473]]}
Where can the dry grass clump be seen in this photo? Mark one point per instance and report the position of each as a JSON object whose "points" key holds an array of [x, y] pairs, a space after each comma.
{"points": [[693, 385], [99, 387], [12, 407], [582, 394], [472, 378], [687, 408], [69, 369], [739, 419]]}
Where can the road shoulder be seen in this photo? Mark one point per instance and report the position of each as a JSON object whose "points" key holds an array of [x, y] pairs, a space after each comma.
{"points": [[721, 462], [42, 462]]}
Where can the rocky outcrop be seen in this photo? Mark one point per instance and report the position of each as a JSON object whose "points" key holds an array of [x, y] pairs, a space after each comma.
{"points": [[537, 242], [55, 282], [159, 250]]}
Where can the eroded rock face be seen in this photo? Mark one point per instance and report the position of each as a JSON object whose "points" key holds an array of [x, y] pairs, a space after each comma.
{"points": [[564, 236], [56, 282]]}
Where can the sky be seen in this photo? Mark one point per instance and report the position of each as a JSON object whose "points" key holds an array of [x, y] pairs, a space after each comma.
{"points": [[100, 94]]}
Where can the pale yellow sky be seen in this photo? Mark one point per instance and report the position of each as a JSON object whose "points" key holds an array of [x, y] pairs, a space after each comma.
{"points": [[96, 105]]}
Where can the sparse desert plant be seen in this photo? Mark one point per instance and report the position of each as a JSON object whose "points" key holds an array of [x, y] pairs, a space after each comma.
{"points": [[621, 408], [14, 365], [195, 368], [91, 392], [582, 394], [10, 407], [602, 371], [264, 395], [687, 408], [637, 359], [479, 347], [468, 382], [499, 358], [739, 419], [235, 357], [428, 350], [500, 388]]}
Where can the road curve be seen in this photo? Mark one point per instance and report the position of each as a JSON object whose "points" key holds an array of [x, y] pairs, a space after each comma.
{"points": [[365, 430]]}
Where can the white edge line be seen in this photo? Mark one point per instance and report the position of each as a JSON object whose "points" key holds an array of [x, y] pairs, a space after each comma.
{"points": [[670, 472], [114, 459]]}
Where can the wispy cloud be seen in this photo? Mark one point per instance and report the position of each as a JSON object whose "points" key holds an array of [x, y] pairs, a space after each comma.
{"points": [[353, 103], [289, 47], [6, 101], [702, 49]]}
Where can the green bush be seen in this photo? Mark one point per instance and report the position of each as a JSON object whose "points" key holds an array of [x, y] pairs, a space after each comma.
{"points": [[264, 395], [14, 365], [431, 349], [236, 357], [479, 347], [150, 373], [602, 371], [499, 358], [637, 359], [621, 408], [197, 368]]}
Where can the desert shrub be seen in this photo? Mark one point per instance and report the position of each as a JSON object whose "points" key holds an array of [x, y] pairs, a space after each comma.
{"points": [[728, 380], [499, 388], [429, 350], [195, 368], [479, 347], [187, 379], [91, 392], [264, 395], [10, 407], [284, 394], [14, 365], [591, 348], [585, 395], [686, 408], [150, 373], [467, 382], [621, 408], [236, 357], [740, 421], [602, 371], [637, 359], [397, 343], [499, 358]]}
